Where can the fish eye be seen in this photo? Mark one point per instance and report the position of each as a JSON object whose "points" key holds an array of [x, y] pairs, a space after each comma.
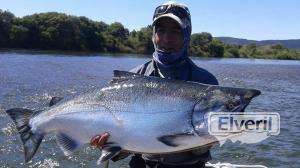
{"points": [[229, 106], [232, 104]]}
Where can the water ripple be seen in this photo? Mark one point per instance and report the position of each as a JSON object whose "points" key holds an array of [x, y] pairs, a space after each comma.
{"points": [[34, 79]]}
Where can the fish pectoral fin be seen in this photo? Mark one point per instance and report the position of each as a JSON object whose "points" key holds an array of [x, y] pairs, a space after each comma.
{"points": [[120, 156], [108, 152], [175, 139], [66, 143]]}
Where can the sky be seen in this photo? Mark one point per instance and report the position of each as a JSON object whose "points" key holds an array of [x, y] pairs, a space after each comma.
{"points": [[249, 19]]}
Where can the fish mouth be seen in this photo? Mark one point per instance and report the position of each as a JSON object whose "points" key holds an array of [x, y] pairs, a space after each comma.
{"points": [[251, 94], [247, 99]]}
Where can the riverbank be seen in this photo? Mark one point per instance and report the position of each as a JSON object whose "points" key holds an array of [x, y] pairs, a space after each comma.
{"points": [[90, 53]]}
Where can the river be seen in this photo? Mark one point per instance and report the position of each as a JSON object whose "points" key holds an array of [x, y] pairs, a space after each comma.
{"points": [[29, 80]]}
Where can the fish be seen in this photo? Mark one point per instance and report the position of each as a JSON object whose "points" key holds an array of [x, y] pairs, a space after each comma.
{"points": [[142, 114]]}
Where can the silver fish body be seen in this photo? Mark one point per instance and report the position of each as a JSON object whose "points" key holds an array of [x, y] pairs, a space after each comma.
{"points": [[142, 114]]}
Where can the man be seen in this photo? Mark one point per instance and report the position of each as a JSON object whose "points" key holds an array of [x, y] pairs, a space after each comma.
{"points": [[171, 37]]}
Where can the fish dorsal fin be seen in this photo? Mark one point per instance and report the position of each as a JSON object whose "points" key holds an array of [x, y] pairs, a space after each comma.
{"points": [[54, 100], [120, 76]]}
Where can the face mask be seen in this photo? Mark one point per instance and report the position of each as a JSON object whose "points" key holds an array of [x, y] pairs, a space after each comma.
{"points": [[171, 58]]}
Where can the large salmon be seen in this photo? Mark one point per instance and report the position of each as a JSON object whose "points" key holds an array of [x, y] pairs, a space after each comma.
{"points": [[142, 114]]}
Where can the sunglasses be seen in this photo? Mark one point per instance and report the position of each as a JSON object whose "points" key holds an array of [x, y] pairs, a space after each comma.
{"points": [[181, 12]]}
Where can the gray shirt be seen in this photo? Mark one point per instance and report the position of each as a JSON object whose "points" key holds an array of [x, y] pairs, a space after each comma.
{"points": [[194, 73], [189, 72]]}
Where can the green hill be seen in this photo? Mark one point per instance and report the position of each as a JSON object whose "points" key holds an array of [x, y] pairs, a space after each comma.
{"points": [[290, 44]]}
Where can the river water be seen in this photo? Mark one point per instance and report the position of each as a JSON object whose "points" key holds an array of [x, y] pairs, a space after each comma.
{"points": [[29, 80]]}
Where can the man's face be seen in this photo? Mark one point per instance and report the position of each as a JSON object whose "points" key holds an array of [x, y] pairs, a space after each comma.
{"points": [[168, 35]]}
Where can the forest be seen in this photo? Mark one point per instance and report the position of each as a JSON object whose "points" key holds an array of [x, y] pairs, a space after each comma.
{"points": [[59, 31]]}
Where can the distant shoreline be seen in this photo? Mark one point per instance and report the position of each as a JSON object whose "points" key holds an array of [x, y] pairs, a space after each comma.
{"points": [[88, 54]]}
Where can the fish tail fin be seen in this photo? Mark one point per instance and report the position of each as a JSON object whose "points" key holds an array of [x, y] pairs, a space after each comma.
{"points": [[31, 141]]}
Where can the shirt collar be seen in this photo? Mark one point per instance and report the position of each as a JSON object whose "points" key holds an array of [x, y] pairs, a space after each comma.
{"points": [[151, 69]]}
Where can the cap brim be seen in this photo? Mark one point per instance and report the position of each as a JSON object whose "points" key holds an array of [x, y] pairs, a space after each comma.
{"points": [[169, 15]]}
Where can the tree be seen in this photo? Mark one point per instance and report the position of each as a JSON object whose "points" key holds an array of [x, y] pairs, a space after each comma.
{"points": [[6, 21], [248, 50], [115, 37], [199, 44], [118, 31], [141, 41], [216, 48], [19, 35], [231, 51], [277, 47]]}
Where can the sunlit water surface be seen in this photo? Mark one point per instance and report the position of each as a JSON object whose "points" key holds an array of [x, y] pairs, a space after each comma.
{"points": [[29, 80]]}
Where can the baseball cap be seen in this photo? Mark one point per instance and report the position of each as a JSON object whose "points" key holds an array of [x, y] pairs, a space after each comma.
{"points": [[176, 11]]}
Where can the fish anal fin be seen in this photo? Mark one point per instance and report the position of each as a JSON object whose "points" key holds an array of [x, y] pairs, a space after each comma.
{"points": [[175, 139], [66, 143]]}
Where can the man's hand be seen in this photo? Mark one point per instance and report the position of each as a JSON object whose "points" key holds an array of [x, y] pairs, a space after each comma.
{"points": [[99, 140]]}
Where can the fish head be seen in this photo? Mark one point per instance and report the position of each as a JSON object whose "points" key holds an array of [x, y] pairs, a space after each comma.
{"points": [[220, 99], [225, 99]]}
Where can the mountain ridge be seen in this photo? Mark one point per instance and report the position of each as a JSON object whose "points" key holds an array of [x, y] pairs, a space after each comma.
{"points": [[289, 43]]}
